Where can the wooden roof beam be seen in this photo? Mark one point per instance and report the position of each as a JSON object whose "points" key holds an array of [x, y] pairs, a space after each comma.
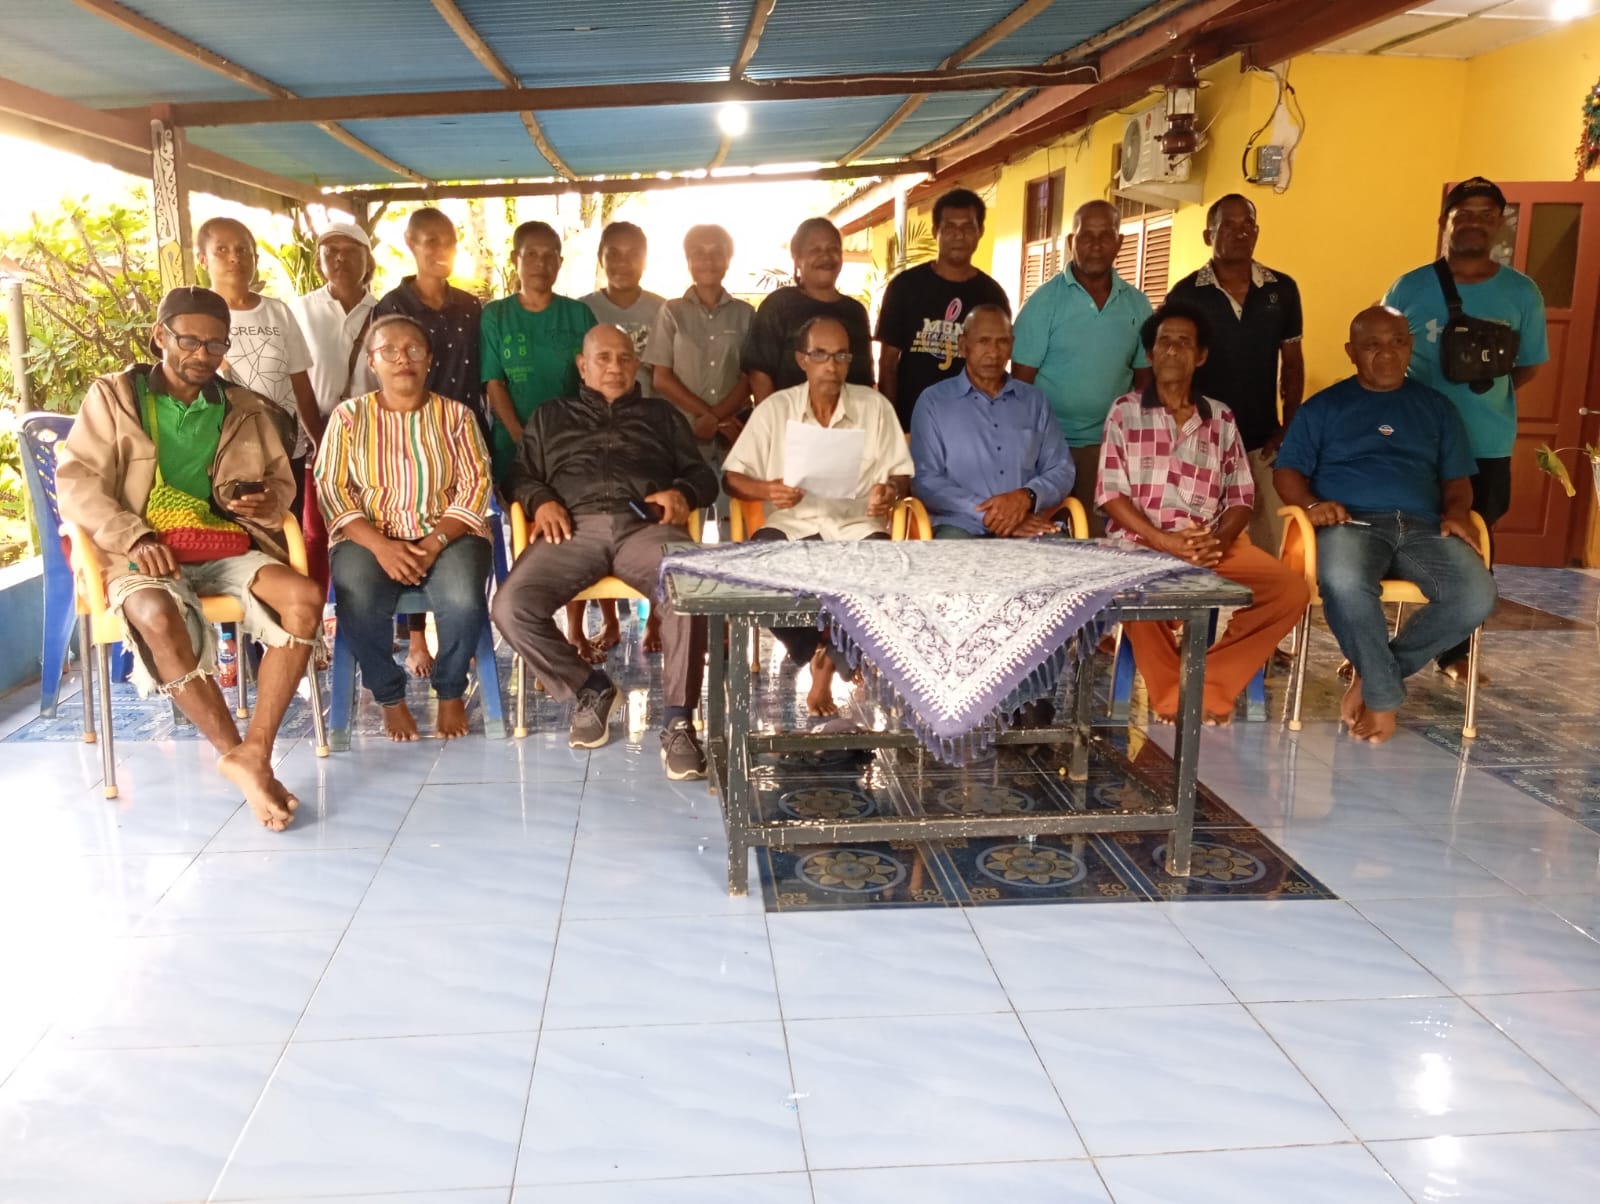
{"points": [[41, 109], [760, 10], [621, 183], [159, 35], [481, 50], [605, 96], [1000, 30]]}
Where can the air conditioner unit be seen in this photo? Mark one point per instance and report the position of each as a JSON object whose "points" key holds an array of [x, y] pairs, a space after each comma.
{"points": [[1143, 160]]}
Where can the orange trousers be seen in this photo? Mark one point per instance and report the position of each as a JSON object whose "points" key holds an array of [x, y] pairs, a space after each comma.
{"points": [[1280, 600]]}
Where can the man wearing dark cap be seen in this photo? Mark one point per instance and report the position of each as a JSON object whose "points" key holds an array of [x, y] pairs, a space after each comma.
{"points": [[1474, 211], [174, 433]]}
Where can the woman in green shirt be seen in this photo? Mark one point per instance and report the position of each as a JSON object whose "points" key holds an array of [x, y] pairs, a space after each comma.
{"points": [[529, 341]]}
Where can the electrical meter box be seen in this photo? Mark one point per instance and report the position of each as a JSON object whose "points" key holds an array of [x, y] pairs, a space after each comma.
{"points": [[1269, 164]]}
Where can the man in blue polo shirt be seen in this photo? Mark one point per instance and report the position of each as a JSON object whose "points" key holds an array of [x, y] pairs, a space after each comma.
{"points": [[990, 459], [1077, 337], [1474, 211], [1382, 465]]}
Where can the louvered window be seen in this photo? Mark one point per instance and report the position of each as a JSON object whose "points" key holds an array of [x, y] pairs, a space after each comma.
{"points": [[1042, 249], [1145, 260]]}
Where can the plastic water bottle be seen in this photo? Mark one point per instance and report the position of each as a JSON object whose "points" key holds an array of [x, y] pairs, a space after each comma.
{"points": [[228, 662]]}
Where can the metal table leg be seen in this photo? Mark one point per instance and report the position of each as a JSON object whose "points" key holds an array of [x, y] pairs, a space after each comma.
{"points": [[716, 703], [1186, 749], [1082, 713], [738, 803]]}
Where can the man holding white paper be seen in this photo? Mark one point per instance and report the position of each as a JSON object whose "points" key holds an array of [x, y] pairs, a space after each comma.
{"points": [[827, 460]]}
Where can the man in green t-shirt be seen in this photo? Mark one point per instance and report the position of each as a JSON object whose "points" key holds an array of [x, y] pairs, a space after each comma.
{"points": [[173, 424], [529, 341]]}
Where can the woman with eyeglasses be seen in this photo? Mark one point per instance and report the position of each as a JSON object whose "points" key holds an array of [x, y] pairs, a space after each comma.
{"points": [[403, 479], [818, 251]]}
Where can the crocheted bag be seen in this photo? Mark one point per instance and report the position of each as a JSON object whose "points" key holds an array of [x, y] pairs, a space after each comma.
{"points": [[185, 523]]}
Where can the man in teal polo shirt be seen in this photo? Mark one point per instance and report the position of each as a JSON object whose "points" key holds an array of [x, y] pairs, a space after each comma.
{"points": [[1077, 338], [1474, 211]]}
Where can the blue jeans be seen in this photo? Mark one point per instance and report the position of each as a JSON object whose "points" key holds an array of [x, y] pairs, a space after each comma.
{"points": [[364, 599], [1351, 561]]}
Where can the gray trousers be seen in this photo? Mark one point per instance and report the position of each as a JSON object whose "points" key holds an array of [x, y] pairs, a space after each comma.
{"points": [[546, 576]]}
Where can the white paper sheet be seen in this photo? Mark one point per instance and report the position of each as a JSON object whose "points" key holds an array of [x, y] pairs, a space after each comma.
{"points": [[824, 461]]}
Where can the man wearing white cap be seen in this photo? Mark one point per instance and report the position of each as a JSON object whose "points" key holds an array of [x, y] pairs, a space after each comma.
{"points": [[332, 318]]}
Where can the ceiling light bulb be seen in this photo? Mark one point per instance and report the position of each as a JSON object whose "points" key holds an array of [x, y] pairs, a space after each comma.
{"points": [[733, 119], [1568, 10]]}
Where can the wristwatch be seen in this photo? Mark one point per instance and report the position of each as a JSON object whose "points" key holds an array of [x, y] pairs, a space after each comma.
{"points": [[1033, 499], [444, 540]]}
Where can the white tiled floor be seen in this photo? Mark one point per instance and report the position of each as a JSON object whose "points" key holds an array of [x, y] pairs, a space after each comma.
{"points": [[509, 974]]}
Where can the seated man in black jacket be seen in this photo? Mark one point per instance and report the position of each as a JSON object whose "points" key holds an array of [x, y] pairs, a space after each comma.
{"points": [[582, 461]]}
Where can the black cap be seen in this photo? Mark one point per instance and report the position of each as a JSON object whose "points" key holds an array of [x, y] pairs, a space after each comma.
{"points": [[190, 300], [1476, 186]]}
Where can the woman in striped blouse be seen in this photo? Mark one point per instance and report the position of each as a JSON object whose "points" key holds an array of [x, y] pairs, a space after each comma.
{"points": [[403, 479]]}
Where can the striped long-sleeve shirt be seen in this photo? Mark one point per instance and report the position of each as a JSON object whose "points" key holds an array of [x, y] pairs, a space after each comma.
{"points": [[403, 472]]}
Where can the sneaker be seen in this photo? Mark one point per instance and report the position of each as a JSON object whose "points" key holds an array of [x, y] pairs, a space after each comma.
{"points": [[681, 753], [591, 718]]}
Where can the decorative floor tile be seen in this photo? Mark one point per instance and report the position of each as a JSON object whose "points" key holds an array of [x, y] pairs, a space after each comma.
{"points": [[1508, 1168], [1015, 1183], [1328, 1174]]}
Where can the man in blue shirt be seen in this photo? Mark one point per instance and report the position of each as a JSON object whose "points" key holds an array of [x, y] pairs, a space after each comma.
{"points": [[1382, 465], [990, 459], [1474, 211], [1077, 337]]}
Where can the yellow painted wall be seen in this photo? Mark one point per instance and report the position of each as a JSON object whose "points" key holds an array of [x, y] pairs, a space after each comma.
{"points": [[1521, 113]]}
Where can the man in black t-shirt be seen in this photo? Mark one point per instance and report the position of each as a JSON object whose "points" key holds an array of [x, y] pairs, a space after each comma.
{"points": [[1255, 356], [919, 326]]}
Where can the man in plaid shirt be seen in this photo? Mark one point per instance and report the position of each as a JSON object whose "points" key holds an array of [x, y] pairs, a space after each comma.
{"points": [[1174, 476]]}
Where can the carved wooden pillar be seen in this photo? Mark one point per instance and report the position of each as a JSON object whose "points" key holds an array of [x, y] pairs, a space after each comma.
{"points": [[169, 196]]}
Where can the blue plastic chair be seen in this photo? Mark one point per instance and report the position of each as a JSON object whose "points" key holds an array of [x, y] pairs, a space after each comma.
{"points": [[40, 435], [1123, 671], [341, 709]]}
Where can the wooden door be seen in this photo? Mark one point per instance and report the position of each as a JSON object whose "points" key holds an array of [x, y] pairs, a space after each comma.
{"points": [[1552, 233]]}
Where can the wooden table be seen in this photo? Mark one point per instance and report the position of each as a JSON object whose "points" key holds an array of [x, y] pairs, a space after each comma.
{"points": [[735, 612]]}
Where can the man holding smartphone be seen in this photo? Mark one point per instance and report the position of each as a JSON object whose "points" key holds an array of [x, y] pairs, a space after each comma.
{"points": [[170, 430], [607, 479]]}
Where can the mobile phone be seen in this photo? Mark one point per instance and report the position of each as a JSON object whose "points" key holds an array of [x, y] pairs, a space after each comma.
{"points": [[646, 511], [241, 488]]}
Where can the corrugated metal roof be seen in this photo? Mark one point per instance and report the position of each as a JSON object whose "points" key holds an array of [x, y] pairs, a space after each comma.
{"points": [[1060, 27], [804, 131], [299, 151], [317, 48], [832, 39], [933, 117], [612, 41], [621, 141], [61, 49], [479, 146], [326, 49]]}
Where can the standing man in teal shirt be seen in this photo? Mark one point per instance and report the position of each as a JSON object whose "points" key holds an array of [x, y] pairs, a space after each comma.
{"points": [[1077, 338], [1474, 211]]}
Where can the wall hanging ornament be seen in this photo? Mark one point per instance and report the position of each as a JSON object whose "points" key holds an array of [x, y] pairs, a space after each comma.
{"points": [[1589, 143]]}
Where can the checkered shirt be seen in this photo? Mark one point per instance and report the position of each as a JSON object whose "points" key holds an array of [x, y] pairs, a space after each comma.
{"points": [[1177, 478]]}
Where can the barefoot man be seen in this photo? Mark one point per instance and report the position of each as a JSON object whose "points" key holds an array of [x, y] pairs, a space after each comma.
{"points": [[1382, 465], [173, 425], [1174, 476], [754, 472]]}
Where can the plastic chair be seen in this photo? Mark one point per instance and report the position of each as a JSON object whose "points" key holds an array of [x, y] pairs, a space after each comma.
{"points": [[607, 587], [1299, 551], [40, 435], [100, 628], [342, 706]]}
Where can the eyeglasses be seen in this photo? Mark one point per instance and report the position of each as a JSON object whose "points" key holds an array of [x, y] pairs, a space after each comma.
{"points": [[188, 342], [822, 357], [415, 352]]}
